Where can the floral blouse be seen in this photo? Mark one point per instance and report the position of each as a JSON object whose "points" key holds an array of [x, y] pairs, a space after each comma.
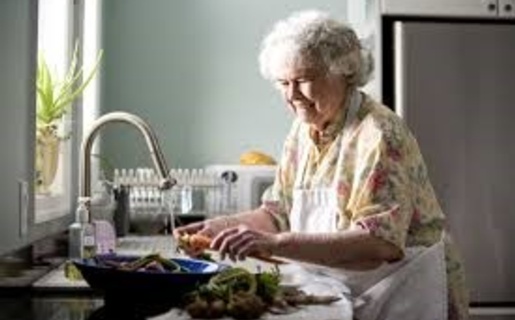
{"points": [[383, 185]]}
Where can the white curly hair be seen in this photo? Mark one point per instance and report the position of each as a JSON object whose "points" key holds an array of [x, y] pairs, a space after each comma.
{"points": [[315, 39]]}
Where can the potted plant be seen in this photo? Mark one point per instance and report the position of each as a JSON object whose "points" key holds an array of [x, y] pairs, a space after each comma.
{"points": [[55, 97]]}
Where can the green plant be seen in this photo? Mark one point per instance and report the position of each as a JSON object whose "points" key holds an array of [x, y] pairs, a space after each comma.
{"points": [[55, 96]]}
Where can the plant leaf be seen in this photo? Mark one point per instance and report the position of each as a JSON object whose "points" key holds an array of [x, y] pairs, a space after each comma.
{"points": [[55, 97], [68, 94]]}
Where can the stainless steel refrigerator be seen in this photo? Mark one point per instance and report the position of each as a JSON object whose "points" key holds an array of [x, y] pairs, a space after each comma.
{"points": [[451, 75]]}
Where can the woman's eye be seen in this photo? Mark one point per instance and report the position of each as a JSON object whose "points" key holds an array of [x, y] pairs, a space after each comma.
{"points": [[282, 84], [304, 80]]}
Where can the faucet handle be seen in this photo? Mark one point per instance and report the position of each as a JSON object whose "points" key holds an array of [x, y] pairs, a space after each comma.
{"points": [[167, 183]]}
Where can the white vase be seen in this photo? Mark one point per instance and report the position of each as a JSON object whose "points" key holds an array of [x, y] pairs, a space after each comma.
{"points": [[47, 159]]}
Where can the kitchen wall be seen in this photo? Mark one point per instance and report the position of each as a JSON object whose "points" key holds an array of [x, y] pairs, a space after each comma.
{"points": [[17, 99], [189, 67]]}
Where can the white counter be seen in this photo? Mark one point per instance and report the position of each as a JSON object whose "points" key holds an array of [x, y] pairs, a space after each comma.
{"points": [[340, 310]]}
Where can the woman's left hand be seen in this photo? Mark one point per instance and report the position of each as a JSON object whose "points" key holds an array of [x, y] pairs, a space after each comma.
{"points": [[240, 242]]}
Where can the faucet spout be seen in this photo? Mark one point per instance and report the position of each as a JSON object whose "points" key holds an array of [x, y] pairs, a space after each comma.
{"points": [[150, 139]]}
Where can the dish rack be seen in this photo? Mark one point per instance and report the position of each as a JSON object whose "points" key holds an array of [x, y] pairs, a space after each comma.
{"points": [[197, 192]]}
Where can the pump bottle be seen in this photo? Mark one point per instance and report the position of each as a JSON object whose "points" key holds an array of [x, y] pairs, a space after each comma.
{"points": [[81, 234]]}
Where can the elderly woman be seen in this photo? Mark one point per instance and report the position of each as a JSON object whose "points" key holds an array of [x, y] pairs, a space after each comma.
{"points": [[352, 198]]}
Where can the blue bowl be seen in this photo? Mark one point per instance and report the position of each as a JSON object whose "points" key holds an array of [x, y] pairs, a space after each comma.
{"points": [[144, 292]]}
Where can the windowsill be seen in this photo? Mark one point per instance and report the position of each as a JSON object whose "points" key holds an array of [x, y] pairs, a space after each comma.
{"points": [[49, 207]]}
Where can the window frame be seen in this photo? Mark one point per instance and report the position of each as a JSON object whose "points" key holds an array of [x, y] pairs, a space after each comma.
{"points": [[50, 215]]}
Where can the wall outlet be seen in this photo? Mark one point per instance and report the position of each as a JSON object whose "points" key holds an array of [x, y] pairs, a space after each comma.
{"points": [[23, 192]]}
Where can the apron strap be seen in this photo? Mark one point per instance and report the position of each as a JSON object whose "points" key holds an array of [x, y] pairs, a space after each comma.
{"points": [[353, 104]]}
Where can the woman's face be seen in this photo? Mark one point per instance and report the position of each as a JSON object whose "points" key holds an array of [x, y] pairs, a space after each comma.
{"points": [[312, 94]]}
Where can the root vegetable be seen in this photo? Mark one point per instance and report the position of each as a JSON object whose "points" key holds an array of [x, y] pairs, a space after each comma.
{"points": [[194, 242], [246, 306], [198, 243], [217, 309], [198, 308]]}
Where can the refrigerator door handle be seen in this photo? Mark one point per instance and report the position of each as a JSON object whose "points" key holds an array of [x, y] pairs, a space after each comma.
{"points": [[480, 312], [399, 69]]}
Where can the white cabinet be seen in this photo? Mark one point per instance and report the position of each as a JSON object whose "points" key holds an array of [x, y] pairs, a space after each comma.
{"points": [[482, 9]]}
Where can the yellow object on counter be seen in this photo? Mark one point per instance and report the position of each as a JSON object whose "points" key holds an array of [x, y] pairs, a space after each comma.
{"points": [[256, 158], [71, 272]]}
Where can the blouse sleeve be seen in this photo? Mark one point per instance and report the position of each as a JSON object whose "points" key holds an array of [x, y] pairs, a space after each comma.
{"points": [[277, 200], [380, 199]]}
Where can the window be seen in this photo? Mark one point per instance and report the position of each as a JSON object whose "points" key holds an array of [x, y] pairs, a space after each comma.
{"points": [[59, 35], [53, 185]]}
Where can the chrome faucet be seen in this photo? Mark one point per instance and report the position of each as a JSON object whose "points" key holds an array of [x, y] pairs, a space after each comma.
{"points": [[150, 138]]}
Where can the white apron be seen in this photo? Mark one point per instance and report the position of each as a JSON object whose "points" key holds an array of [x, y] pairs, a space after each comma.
{"points": [[413, 288]]}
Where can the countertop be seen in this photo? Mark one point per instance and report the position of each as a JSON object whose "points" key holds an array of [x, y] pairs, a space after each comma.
{"points": [[30, 307], [53, 297]]}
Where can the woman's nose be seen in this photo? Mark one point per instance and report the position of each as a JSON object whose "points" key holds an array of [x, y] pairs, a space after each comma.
{"points": [[292, 91]]}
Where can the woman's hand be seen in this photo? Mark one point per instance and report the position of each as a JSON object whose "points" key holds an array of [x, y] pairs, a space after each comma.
{"points": [[240, 242], [209, 228]]}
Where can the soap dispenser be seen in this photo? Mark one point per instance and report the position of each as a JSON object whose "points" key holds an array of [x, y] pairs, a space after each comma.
{"points": [[81, 233]]}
